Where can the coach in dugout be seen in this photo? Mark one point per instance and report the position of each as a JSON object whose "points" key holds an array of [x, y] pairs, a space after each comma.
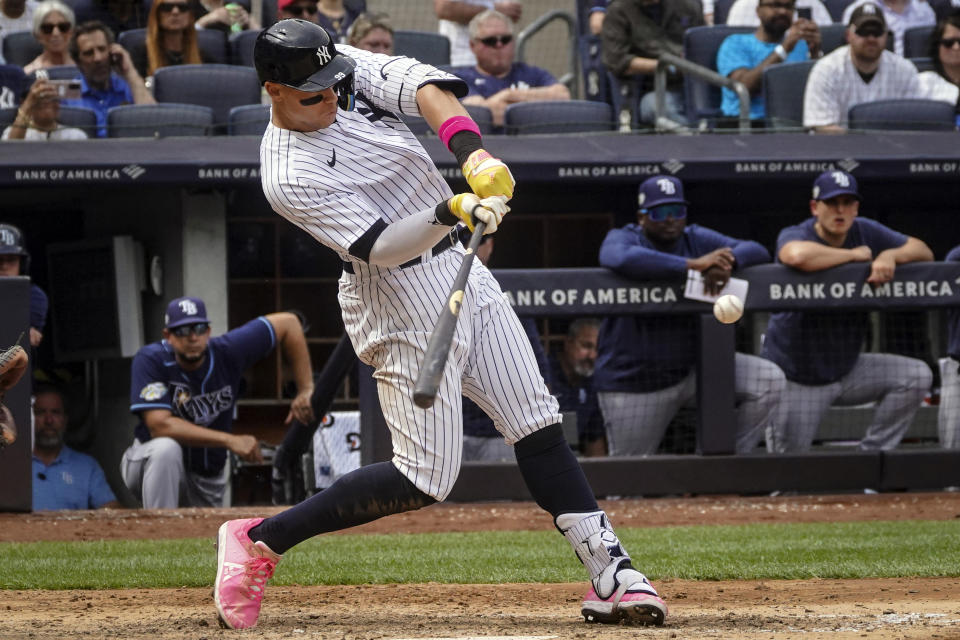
{"points": [[645, 367], [184, 391], [820, 352]]}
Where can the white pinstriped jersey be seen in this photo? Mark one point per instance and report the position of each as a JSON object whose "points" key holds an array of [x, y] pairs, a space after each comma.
{"points": [[835, 85], [363, 171]]}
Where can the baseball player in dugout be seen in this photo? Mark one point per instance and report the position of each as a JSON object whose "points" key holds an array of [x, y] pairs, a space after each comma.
{"points": [[820, 352], [184, 391], [646, 364], [15, 261], [358, 181]]}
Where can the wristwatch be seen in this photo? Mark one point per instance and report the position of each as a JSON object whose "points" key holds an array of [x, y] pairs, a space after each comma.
{"points": [[780, 52]]}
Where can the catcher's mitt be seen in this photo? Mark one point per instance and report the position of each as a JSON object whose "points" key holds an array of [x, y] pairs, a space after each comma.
{"points": [[13, 364]]}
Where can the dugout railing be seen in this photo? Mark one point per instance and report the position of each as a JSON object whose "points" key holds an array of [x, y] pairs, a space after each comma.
{"points": [[714, 468]]}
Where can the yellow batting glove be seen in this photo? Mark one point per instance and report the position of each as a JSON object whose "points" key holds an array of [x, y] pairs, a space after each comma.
{"points": [[488, 176], [470, 209]]}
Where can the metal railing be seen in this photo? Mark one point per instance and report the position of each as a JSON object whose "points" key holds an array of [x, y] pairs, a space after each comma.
{"points": [[570, 77], [668, 60]]}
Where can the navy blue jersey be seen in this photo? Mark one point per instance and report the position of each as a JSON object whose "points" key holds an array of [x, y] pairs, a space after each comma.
{"points": [[207, 396], [821, 347], [645, 353], [521, 76], [581, 398]]}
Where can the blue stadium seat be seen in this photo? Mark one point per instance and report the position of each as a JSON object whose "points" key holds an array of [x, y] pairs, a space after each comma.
{"points": [[832, 37], [81, 118], [425, 46], [916, 42], [20, 48], [12, 84], [248, 120], [482, 116], [212, 43], [783, 87], [721, 9], [903, 114], [836, 8], [162, 120], [922, 64], [700, 45], [218, 86], [558, 116], [241, 47]]}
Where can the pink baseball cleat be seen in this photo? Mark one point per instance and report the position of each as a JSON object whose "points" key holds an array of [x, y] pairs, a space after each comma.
{"points": [[630, 597], [243, 568]]}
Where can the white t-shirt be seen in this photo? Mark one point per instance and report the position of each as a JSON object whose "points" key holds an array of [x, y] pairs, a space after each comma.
{"points": [[23, 23], [835, 85], [63, 133], [743, 13], [933, 86], [917, 14], [459, 37]]}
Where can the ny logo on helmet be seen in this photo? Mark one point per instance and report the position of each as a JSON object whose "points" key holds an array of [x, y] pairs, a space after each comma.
{"points": [[188, 307], [666, 186], [323, 55]]}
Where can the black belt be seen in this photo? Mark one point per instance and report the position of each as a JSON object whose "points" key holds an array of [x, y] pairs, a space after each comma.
{"points": [[449, 241]]}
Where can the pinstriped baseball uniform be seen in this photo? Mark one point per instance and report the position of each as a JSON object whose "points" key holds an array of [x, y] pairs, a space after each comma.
{"points": [[835, 85], [343, 183]]}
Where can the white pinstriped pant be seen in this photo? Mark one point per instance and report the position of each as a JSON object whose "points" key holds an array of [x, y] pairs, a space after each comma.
{"points": [[389, 317]]}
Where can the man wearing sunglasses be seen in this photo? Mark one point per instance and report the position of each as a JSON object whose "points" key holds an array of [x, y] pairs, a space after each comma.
{"points": [[645, 364], [862, 71], [303, 9], [184, 391], [900, 15], [497, 81]]}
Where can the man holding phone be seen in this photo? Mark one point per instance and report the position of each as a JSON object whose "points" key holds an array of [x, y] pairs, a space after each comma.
{"points": [[108, 76], [779, 38]]}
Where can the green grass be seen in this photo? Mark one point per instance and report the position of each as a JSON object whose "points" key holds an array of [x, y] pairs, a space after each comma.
{"points": [[763, 551]]}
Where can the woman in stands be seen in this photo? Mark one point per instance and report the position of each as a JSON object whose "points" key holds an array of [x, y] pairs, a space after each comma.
{"points": [[371, 32], [944, 83], [52, 25], [171, 35]]}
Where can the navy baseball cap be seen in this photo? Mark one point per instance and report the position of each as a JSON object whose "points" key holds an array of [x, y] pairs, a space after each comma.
{"points": [[831, 184], [660, 190], [183, 311]]}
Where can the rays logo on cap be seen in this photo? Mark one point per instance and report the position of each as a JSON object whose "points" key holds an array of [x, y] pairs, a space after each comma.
{"points": [[323, 54], [666, 186], [841, 178], [7, 238], [188, 307]]}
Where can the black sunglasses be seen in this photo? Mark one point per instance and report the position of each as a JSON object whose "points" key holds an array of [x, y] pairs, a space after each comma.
{"points": [[949, 43], [871, 32], [494, 41], [167, 7], [676, 211], [185, 330], [48, 27], [299, 10]]}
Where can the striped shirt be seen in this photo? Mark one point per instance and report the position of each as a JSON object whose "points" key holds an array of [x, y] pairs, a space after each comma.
{"points": [[343, 183], [743, 13], [835, 85], [917, 13], [934, 86]]}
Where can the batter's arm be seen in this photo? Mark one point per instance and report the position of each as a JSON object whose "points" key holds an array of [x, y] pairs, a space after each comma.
{"points": [[437, 105], [163, 424], [294, 345]]}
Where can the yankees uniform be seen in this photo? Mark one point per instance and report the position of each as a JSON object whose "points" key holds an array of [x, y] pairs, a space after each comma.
{"points": [[353, 179]]}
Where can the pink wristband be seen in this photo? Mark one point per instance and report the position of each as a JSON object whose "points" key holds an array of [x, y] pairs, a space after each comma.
{"points": [[454, 125]]}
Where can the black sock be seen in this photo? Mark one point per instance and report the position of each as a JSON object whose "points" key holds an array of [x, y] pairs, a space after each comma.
{"points": [[362, 495], [552, 473]]}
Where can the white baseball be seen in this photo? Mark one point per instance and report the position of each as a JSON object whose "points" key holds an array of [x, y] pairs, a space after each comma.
{"points": [[728, 309]]}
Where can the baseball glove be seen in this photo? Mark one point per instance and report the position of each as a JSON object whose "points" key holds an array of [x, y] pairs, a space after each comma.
{"points": [[13, 364]]}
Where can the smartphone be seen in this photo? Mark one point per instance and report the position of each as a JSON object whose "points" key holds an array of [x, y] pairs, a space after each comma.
{"points": [[116, 60], [68, 89], [805, 12]]}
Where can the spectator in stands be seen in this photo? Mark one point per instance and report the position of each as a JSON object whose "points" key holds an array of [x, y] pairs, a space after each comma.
{"points": [[15, 261], [899, 16], [481, 440], [303, 9], [496, 81], [108, 76], [171, 35], [184, 390], [598, 11], [744, 13], [229, 17], [117, 15], [944, 82], [52, 23], [63, 478], [948, 417], [636, 32], [645, 364], [820, 352], [371, 32], [16, 15], [570, 379], [454, 17], [862, 71], [38, 116], [779, 38], [336, 16]]}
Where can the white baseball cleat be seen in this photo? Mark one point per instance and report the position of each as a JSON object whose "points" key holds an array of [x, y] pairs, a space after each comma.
{"points": [[630, 597]]}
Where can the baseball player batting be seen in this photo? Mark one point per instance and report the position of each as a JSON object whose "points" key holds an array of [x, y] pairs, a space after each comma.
{"points": [[337, 162]]}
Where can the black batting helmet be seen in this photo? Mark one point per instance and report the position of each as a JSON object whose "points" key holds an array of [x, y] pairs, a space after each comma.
{"points": [[11, 244], [300, 54]]}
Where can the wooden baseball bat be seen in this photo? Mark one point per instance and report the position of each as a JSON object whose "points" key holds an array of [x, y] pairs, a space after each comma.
{"points": [[428, 382]]}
